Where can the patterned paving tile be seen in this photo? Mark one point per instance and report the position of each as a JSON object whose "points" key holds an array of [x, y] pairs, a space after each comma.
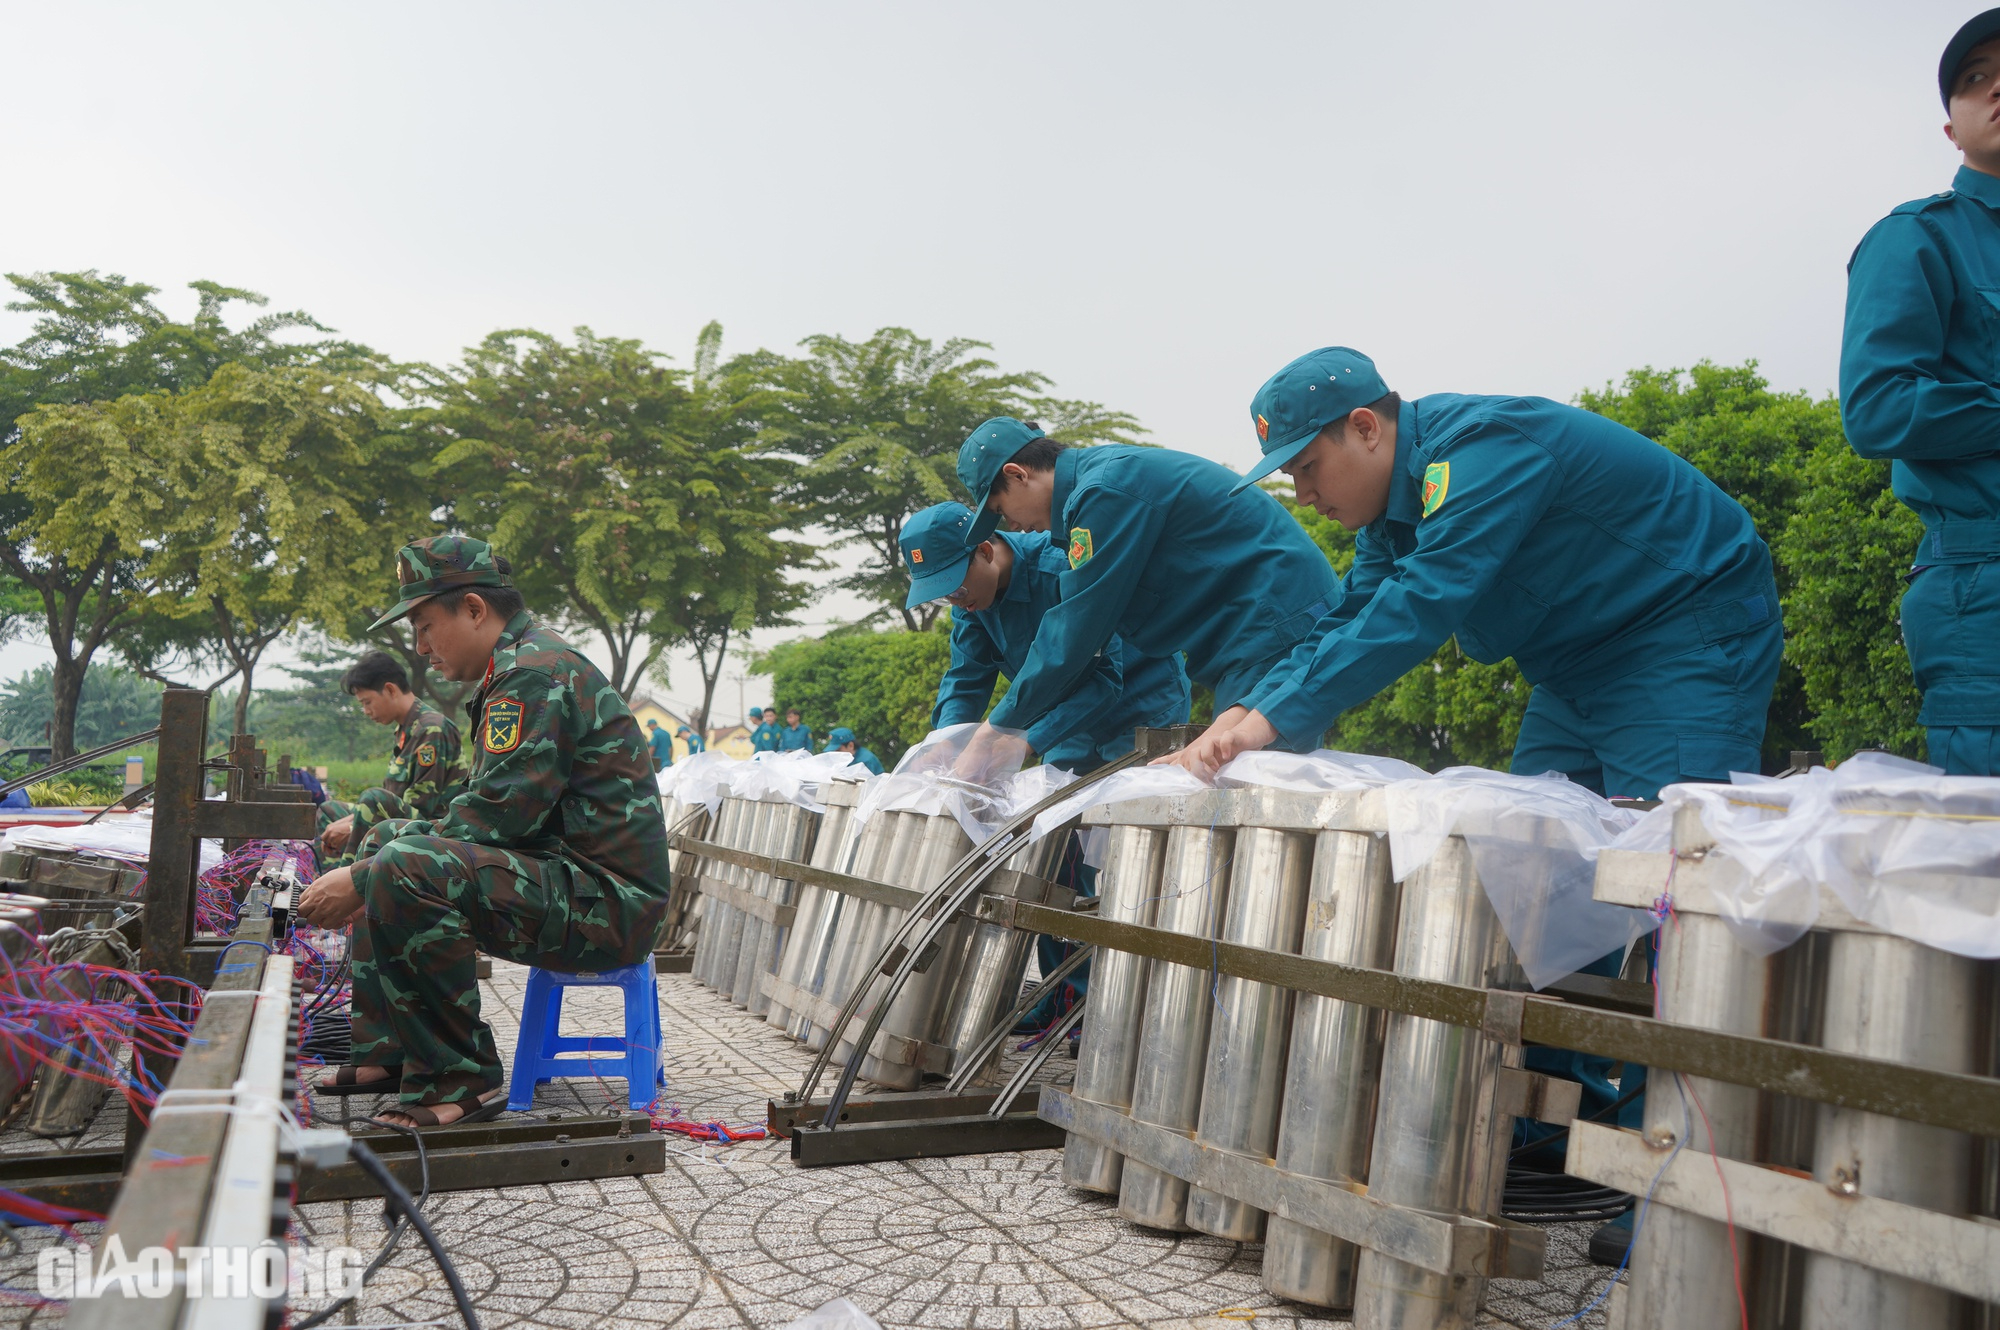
{"points": [[739, 1237]]}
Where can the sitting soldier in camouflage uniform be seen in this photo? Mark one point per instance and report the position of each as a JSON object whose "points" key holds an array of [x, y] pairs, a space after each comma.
{"points": [[423, 770], [554, 855]]}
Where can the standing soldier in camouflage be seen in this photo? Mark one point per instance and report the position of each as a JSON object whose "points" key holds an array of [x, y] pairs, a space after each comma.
{"points": [[554, 855], [424, 771]]}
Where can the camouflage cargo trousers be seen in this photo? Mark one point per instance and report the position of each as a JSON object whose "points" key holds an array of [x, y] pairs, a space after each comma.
{"points": [[429, 906], [370, 810]]}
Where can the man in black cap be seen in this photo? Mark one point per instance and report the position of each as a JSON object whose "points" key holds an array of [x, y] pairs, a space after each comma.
{"points": [[1920, 385]]}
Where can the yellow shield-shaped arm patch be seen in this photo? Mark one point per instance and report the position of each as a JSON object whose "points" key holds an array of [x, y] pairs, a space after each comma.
{"points": [[1080, 548], [1437, 484], [503, 725]]}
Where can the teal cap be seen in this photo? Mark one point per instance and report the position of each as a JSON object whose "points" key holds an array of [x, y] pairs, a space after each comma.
{"points": [[1303, 398], [937, 549], [839, 735], [980, 458]]}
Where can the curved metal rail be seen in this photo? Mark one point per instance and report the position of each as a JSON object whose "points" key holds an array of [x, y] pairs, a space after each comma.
{"points": [[1058, 1035], [961, 1075], [937, 910]]}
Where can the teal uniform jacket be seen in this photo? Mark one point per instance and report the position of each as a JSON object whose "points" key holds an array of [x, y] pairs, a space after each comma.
{"points": [[1162, 555], [794, 736], [1920, 385], [1121, 690], [662, 745], [764, 738], [1583, 550], [868, 759]]}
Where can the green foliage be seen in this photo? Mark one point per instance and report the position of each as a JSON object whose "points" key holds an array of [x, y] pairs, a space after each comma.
{"points": [[881, 685], [1847, 545], [633, 499], [878, 425], [115, 703], [90, 480]]}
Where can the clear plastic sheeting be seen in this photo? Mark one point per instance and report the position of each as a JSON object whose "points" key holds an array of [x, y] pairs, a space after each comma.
{"points": [[840, 1314], [1119, 787], [1534, 841], [700, 779], [795, 777], [1903, 847], [965, 770], [127, 838], [1322, 771]]}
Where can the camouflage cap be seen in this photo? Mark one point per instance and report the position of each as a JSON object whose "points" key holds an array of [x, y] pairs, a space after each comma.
{"points": [[441, 563]]}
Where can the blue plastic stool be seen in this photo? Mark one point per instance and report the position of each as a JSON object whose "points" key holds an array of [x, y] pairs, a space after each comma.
{"points": [[536, 1060]]}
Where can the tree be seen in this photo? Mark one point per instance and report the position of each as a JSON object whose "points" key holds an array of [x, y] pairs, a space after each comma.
{"points": [[881, 685], [269, 532], [1847, 546], [89, 493], [634, 500], [81, 497], [878, 425], [114, 703]]}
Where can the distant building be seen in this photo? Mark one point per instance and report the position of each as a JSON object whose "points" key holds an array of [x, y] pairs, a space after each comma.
{"points": [[731, 739]]}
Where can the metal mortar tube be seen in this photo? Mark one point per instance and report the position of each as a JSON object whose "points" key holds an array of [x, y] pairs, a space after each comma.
{"points": [[1888, 997], [1242, 1088], [1336, 1062], [1173, 1037], [1680, 1266], [918, 1009], [860, 946], [715, 915], [812, 900], [1427, 1153], [987, 980], [874, 844], [756, 831], [1107, 1056], [791, 832]]}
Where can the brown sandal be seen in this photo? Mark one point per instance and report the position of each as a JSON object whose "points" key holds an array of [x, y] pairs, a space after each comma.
{"points": [[342, 1082], [423, 1116]]}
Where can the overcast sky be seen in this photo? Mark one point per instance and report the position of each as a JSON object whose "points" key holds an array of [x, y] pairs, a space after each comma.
{"points": [[1157, 205]]}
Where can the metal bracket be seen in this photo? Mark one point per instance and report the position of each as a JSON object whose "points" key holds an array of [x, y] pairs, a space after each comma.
{"points": [[1529, 1094], [1504, 1012], [1444, 1244]]}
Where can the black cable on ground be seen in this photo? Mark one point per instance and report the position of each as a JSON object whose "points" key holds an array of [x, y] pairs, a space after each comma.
{"points": [[1535, 1195], [372, 1165], [402, 1223]]}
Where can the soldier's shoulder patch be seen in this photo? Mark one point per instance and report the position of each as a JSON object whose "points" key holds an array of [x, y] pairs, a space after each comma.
{"points": [[1437, 484], [503, 725], [1080, 548], [427, 755]]}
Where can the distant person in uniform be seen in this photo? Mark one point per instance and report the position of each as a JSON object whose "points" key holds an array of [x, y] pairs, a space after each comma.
{"points": [[842, 740], [795, 735], [765, 735], [554, 855], [691, 739], [424, 768], [662, 745], [1920, 385]]}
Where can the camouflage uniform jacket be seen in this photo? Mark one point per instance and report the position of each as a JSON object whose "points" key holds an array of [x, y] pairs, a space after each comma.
{"points": [[559, 767], [424, 771]]}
